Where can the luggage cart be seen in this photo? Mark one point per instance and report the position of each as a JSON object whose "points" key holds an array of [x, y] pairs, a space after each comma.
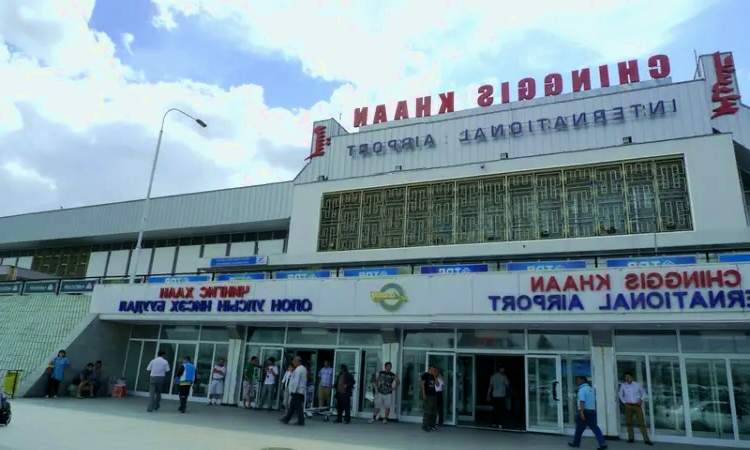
{"points": [[326, 411]]}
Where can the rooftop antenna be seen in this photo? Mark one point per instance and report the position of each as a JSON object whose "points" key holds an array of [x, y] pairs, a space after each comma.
{"points": [[339, 117], [698, 73]]}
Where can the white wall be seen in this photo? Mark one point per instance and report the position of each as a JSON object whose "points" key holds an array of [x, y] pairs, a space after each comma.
{"points": [[189, 259], [271, 247], [163, 262], [24, 262], [214, 250], [97, 264], [706, 158], [8, 261], [144, 261], [242, 249], [118, 263]]}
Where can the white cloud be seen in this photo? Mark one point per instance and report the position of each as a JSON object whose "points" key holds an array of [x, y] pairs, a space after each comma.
{"points": [[79, 126], [127, 41]]}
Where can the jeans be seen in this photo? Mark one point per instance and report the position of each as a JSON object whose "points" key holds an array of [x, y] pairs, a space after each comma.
{"points": [[296, 406], [184, 392], [155, 385], [589, 421], [268, 391], [343, 407], [430, 412]]}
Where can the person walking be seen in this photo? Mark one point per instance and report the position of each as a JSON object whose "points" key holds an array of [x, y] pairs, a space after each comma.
{"points": [[586, 415], [427, 386], [285, 386], [157, 368], [184, 379], [344, 390], [496, 393], [324, 385], [56, 371], [268, 391], [249, 382], [216, 386], [298, 388], [632, 395], [439, 397], [386, 382]]}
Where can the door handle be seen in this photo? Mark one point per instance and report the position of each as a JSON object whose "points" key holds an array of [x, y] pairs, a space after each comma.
{"points": [[554, 391]]}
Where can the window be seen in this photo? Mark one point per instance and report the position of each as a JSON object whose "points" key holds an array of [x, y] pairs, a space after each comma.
{"points": [[643, 196]]}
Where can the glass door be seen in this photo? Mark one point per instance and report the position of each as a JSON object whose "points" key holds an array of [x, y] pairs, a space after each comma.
{"points": [[544, 410], [446, 365], [464, 387], [268, 393], [352, 360]]}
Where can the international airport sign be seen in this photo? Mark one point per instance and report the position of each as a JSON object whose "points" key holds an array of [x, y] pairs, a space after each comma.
{"points": [[517, 129]]}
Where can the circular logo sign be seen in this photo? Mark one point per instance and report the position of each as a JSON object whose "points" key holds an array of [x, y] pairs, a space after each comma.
{"points": [[391, 297]]}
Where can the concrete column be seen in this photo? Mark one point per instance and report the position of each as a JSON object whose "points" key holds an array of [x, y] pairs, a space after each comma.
{"points": [[605, 381], [233, 382]]}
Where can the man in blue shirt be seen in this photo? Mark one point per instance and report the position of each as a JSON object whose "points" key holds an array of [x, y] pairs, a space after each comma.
{"points": [[586, 414]]}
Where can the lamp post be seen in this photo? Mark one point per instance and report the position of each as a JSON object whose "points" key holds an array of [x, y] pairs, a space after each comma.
{"points": [[146, 202]]}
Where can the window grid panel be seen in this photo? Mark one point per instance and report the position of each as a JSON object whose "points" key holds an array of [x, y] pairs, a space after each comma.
{"points": [[611, 212], [613, 199]]}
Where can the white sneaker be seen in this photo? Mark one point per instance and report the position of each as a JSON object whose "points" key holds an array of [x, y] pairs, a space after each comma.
{"points": [[385, 420], [371, 421], [46, 396], [54, 396]]}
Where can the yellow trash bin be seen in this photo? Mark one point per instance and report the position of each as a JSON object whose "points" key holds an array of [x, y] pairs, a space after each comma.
{"points": [[10, 382]]}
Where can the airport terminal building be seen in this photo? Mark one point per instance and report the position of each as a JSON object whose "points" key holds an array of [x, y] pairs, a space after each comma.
{"points": [[594, 233]]}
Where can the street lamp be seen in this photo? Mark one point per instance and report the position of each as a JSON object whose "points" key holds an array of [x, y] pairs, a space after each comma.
{"points": [[146, 202]]}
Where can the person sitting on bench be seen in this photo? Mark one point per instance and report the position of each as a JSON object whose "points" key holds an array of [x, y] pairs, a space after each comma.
{"points": [[96, 379], [85, 381]]}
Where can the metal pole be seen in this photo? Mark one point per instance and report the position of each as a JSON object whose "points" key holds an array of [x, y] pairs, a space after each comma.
{"points": [[146, 203]]}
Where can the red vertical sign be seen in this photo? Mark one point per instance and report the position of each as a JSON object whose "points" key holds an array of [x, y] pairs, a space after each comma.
{"points": [[722, 91]]}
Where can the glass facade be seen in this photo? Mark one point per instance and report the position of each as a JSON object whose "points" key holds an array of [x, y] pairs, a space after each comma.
{"points": [[696, 381], [631, 197]]}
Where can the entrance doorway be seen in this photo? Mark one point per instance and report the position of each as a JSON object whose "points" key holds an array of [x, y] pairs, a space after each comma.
{"points": [[474, 407]]}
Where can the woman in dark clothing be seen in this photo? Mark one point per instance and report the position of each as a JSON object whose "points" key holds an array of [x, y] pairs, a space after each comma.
{"points": [[344, 389]]}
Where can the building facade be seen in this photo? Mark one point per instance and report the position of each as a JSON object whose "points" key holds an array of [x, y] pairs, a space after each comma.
{"points": [[531, 235]]}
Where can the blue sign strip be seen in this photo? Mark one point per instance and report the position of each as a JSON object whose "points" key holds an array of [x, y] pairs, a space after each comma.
{"points": [[545, 266], [374, 272], [239, 261], [453, 269], [303, 274], [734, 258], [179, 279], [652, 262], [241, 276]]}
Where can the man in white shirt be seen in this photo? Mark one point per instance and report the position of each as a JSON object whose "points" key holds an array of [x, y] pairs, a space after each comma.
{"points": [[632, 396], [298, 388], [496, 393], [216, 386], [268, 391], [324, 387], [158, 368]]}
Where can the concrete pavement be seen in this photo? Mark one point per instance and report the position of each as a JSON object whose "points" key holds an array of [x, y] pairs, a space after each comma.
{"points": [[114, 424]]}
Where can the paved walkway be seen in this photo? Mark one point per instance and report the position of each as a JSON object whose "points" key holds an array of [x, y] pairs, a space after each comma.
{"points": [[114, 424]]}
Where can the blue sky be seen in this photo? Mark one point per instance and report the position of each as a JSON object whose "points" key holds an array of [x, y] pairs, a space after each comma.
{"points": [[190, 52]]}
